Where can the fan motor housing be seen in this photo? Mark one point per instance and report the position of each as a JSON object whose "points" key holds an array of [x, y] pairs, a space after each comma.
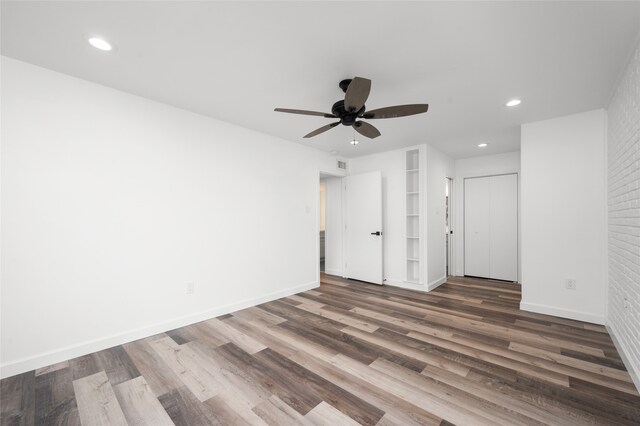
{"points": [[346, 118]]}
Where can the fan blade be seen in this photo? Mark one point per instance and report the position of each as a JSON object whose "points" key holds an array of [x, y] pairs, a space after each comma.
{"points": [[322, 129], [357, 94], [303, 112], [396, 111], [366, 129]]}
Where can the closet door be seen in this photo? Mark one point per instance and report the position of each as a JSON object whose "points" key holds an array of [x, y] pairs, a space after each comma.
{"points": [[504, 228], [477, 227]]}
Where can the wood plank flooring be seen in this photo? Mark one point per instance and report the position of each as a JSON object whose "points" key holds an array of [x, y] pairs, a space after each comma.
{"points": [[346, 353]]}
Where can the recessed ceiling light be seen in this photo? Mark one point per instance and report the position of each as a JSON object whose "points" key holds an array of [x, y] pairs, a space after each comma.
{"points": [[482, 145], [354, 142], [514, 102], [99, 43]]}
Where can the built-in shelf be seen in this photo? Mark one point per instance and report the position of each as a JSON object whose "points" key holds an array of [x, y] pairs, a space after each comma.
{"points": [[412, 212]]}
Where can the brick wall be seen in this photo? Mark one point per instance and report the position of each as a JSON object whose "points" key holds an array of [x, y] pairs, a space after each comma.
{"points": [[623, 151]]}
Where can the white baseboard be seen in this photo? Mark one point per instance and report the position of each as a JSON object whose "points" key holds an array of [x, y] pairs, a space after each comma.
{"points": [[563, 313], [52, 357], [406, 285], [437, 283], [334, 272], [633, 371]]}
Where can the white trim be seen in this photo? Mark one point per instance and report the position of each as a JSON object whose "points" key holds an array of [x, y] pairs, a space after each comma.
{"points": [[317, 238], [635, 374], [437, 283], [563, 313], [451, 249], [334, 272], [417, 287], [407, 285], [423, 219], [605, 208], [94, 345], [342, 231]]}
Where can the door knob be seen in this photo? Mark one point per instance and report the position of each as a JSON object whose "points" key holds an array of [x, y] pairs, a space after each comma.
{"points": [[376, 233]]}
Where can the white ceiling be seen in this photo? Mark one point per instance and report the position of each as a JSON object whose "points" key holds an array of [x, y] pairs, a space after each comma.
{"points": [[236, 61]]}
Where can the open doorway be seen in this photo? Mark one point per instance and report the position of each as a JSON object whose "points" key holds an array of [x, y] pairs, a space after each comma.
{"points": [[448, 196], [330, 225], [323, 215]]}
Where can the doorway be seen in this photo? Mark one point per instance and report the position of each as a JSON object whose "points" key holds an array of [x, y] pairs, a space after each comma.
{"points": [[323, 215], [448, 231], [353, 251], [330, 225]]}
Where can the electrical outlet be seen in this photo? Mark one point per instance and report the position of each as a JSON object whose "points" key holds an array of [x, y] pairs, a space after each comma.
{"points": [[627, 304], [191, 287], [570, 284]]}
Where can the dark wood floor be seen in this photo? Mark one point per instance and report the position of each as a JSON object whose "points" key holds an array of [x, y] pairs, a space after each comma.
{"points": [[346, 353]]}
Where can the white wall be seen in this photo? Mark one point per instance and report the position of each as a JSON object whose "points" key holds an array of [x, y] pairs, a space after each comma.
{"points": [[333, 260], [392, 166], [439, 167], [563, 216], [112, 203], [487, 165], [623, 143]]}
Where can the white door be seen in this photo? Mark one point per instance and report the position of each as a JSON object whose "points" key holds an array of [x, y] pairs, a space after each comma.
{"points": [[476, 227], [364, 227], [504, 227], [491, 227]]}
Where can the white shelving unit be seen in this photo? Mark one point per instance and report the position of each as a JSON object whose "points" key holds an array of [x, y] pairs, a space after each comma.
{"points": [[413, 216]]}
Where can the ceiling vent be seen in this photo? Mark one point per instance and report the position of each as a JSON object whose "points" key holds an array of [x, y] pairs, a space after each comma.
{"points": [[342, 165]]}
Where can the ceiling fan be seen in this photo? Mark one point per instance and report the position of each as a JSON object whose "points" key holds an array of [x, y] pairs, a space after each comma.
{"points": [[351, 110]]}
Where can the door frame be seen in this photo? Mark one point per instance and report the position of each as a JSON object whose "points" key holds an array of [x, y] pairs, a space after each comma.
{"points": [[330, 174], [514, 172], [478, 170], [451, 254]]}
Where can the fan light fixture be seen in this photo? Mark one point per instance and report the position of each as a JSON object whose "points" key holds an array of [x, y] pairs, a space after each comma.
{"points": [[101, 44], [514, 102], [354, 142]]}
